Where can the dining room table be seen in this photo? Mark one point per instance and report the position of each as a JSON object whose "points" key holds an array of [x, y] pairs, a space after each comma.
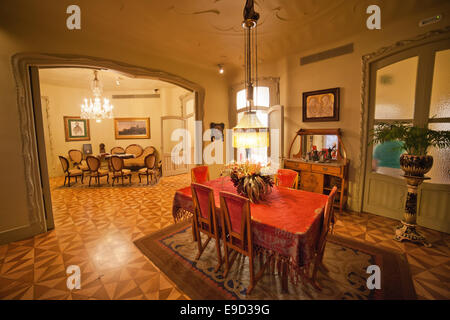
{"points": [[286, 225]]}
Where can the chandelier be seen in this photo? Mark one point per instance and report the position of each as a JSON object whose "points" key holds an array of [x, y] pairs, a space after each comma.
{"points": [[94, 108], [250, 132]]}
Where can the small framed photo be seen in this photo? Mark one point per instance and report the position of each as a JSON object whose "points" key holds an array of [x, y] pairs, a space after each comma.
{"points": [[132, 128], [87, 148], [321, 105], [217, 131], [76, 129]]}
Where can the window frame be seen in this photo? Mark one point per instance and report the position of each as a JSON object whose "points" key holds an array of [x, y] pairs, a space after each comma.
{"points": [[273, 83]]}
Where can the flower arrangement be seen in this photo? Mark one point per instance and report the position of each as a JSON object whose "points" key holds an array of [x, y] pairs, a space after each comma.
{"points": [[249, 180]]}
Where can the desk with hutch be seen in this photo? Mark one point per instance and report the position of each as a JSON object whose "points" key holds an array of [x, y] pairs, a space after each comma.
{"points": [[321, 176]]}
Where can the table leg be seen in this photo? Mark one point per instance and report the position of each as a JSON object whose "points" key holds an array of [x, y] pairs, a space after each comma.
{"points": [[284, 277]]}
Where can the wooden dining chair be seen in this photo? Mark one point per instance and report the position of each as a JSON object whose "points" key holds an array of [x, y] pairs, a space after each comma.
{"points": [[204, 219], [237, 233], [69, 173], [286, 178], [95, 171], [200, 174], [76, 156], [117, 169], [150, 168], [320, 249], [117, 150]]}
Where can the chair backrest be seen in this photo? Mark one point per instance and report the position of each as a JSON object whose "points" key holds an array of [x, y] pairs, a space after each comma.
{"points": [[204, 207], [116, 163], [117, 150], [148, 150], [150, 161], [287, 178], [64, 163], [327, 216], [93, 163], [200, 174], [134, 149], [236, 219], [75, 155]]}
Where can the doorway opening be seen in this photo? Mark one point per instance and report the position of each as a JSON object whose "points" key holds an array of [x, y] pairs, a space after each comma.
{"points": [[26, 69]]}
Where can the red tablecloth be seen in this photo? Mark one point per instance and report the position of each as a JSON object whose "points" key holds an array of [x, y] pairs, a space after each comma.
{"points": [[286, 225]]}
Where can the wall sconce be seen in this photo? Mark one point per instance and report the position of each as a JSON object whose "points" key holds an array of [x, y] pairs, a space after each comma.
{"points": [[221, 69]]}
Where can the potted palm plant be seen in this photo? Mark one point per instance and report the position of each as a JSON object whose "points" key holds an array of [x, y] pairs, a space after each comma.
{"points": [[415, 162], [415, 141]]}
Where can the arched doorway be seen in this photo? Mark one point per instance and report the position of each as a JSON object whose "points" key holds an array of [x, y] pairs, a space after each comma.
{"points": [[25, 66]]}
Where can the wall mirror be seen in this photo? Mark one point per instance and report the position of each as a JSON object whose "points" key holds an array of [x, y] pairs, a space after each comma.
{"points": [[318, 145]]}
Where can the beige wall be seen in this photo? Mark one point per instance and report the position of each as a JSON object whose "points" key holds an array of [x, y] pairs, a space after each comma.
{"points": [[65, 101], [27, 36]]}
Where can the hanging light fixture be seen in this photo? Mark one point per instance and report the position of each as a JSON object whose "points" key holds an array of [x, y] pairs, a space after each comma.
{"points": [[250, 132], [94, 108]]}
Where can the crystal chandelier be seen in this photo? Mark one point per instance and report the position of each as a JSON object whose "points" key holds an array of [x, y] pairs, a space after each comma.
{"points": [[94, 108], [250, 132]]}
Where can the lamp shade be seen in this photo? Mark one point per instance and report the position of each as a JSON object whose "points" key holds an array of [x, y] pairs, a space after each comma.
{"points": [[250, 132]]}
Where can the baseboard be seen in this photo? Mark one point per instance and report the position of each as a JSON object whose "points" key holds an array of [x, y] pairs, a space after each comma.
{"points": [[20, 233]]}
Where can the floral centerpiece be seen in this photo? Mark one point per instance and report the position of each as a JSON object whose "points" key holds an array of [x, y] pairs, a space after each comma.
{"points": [[249, 180]]}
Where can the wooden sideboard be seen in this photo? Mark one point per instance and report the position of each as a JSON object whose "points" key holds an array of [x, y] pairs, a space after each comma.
{"points": [[321, 177]]}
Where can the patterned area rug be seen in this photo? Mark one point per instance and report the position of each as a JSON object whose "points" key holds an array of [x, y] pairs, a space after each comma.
{"points": [[173, 251]]}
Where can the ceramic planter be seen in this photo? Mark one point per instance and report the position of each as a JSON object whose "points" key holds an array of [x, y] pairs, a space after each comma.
{"points": [[416, 166]]}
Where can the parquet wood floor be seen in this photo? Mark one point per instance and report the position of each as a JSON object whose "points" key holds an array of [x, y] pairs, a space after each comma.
{"points": [[96, 227]]}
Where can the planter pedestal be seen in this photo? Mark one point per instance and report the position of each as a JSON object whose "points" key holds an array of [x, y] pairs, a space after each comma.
{"points": [[407, 231]]}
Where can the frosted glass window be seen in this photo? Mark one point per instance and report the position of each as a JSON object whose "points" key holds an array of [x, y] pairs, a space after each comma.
{"points": [[261, 96], [440, 172], [395, 90], [386, 158], [190, 106], [440, 92], [240, 99], [260, 114]]}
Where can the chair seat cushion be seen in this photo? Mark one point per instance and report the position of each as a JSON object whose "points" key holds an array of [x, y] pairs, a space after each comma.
{"points": [[143, 170], [100, 172], [119, 173], [75, 172]]}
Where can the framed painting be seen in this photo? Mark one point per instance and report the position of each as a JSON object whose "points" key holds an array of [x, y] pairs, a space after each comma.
{"points": [[216, 131], [76, 129], [132, 128], [321, 105], [87, 148]]}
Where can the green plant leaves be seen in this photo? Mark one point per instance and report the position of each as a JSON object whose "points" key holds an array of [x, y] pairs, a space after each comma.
{"points": [[416, 140]]}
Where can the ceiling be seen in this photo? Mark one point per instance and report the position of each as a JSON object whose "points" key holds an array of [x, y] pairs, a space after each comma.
{"points": [[82, 78], [208, 32]]}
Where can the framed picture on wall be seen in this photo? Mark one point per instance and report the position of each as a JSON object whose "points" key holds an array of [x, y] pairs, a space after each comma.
{"points": [[87, 148], [216, 131], [76, 129], [132, 128], [321, 105]]}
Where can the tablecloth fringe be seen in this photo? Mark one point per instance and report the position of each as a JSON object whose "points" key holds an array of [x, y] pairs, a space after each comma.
{"points": [[182, 215], [276, 262]]}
